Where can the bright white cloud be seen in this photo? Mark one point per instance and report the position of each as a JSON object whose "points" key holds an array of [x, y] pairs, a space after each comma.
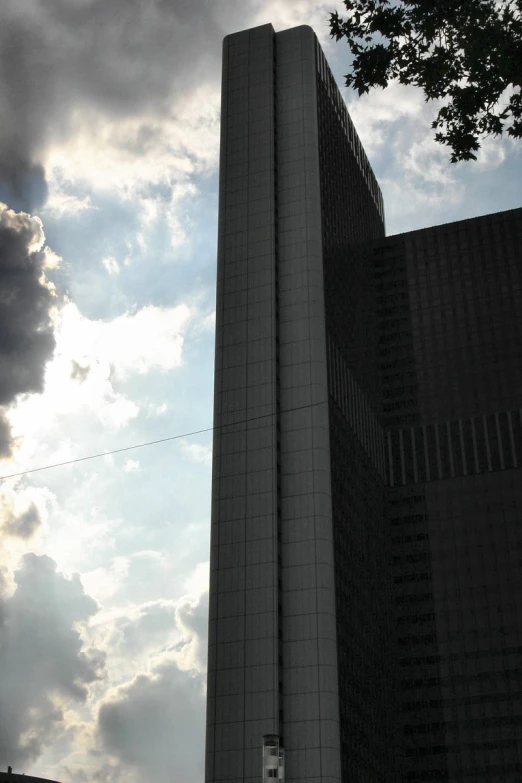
{"points": [[126, 158], [104, 582], [77, 539], [131, 466], [90, 358], [205, 324], [150, 338], [60, 204], [142, 576], [196, 452], [111, 265], [375, 113], [197, 583], [154, 409]]}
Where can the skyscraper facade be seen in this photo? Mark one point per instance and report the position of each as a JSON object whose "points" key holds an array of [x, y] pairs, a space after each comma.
{"points": [[366, 400]]}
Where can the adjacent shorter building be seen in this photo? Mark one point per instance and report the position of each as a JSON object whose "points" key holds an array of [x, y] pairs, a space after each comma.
{"points": [[365, 617], [449, 308], [14, 777]]}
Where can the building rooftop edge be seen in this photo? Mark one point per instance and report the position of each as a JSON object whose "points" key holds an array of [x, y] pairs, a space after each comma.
{"points": [[448, 223]]}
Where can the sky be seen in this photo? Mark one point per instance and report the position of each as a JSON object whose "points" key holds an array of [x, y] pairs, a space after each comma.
{"points": [[108, 226]]}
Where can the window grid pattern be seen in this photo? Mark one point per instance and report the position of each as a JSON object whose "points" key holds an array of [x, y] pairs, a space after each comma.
{"points": [[356, 409], [351, 136], [361, 538]]}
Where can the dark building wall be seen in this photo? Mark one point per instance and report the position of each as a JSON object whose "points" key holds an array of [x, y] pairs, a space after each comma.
{"points": [[452, 396], [309, 665], [352, 216], [13, 777]]}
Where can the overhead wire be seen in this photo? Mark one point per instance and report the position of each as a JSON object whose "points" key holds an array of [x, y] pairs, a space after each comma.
{"points": [[155, 442]]}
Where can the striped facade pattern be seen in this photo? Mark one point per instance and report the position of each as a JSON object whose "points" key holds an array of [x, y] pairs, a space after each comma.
{"points": [[451, 449], [428, 452]]}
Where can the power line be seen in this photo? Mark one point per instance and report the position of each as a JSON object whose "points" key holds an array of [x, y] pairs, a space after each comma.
{"points": [[154, 442]]}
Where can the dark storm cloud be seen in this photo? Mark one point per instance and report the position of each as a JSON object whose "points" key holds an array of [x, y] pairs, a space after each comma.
{"points": [[121, 57], [155, 725], [26, 334], [22, 183], [41, 655]]}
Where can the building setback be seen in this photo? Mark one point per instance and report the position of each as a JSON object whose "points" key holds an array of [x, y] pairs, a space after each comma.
{"points": [[365, 588]]}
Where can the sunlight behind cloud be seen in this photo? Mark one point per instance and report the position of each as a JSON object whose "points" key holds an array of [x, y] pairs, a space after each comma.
{"points": [[126, 157], [91, 356], [60, 204]]}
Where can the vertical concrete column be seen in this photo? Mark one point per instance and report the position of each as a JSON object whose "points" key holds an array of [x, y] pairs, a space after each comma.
{"points": [[309, 654], [243, 701]]}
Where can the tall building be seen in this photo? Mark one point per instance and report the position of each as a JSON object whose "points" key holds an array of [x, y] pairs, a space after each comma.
{"points": [[368, 436]]}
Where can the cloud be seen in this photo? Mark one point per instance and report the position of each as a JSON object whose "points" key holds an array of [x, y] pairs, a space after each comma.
{"points": [[155, 671], [156, 409], [27, 301], [114, 92], [79, 373], [22, 181], [196, 452], [131, 466], [192, 621], [133, 343], [91, 360], [283, 15], [149, 159], [141, 576], [23, 524], [379, 113], [60, 204], [149, 628], [5, 436], [111, 265], [67, 65], [24, 514], [155, 724], [43, 659]]}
